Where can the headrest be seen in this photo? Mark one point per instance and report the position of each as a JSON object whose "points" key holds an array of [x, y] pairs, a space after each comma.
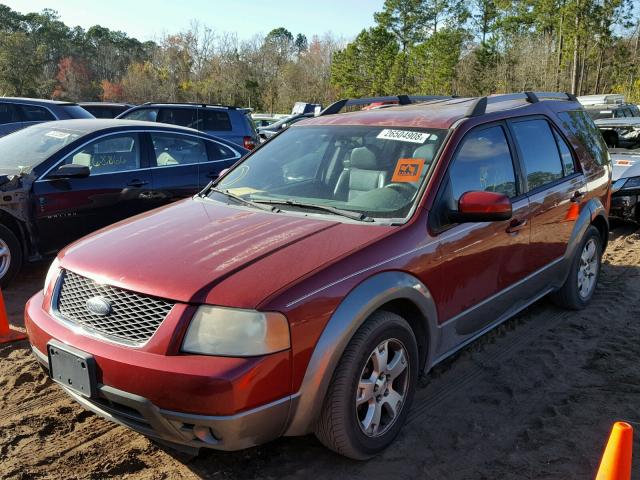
{"points": [[425, 151], [364, 158]]}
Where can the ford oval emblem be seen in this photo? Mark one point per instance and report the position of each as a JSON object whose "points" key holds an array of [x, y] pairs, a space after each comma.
{"points": [[98, 306]]}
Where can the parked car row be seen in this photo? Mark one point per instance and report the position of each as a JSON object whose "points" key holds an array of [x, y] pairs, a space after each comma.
{"points": [[308, 287]]}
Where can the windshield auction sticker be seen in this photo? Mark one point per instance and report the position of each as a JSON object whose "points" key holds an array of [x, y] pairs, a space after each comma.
{"points": [[403, 135], [408, 170], [57, 134]]}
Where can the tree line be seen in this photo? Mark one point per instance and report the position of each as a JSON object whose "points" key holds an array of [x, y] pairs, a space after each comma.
{"points": [[461, 47]]}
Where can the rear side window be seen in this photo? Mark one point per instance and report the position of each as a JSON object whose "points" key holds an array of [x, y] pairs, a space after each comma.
{"points": [[581, 125], [172, 149], [8, 113], [217, 151], [483, 163], [185, 117], [216, 120], [32, 113], [565, 153], [539, 152]]}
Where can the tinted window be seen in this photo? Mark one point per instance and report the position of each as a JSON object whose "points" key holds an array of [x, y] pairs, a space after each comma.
{"points": [[76, 111], [217, 151], [581, 125], [101, 112], [539, 152], [565, 154], [8, 113], [483, 163], [185, 117], [216, 120], [145, 114], [172, 149], [31, 113], [117, 153]]}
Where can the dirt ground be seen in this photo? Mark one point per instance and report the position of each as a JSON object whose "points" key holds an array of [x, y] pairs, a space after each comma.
{"points": [[536, 398]]}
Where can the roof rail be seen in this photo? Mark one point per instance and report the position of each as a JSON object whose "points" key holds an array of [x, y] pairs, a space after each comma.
{"points": [[195, 104], [479, 105], [338, 106]]}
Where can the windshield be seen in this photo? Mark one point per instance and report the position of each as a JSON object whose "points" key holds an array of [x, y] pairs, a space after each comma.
{"points": [[373, 171], [26, 148]]}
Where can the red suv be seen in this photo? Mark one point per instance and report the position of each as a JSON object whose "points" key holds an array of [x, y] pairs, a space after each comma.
{"points": [[309, 287]]}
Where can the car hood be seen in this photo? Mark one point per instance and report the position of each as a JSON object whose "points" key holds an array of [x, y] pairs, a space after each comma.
{"points": [[625, 164], [203, 251]]}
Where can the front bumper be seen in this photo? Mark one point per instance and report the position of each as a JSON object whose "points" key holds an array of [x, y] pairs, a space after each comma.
{"points": [[195, 401], [623, 206], [233, 432]]}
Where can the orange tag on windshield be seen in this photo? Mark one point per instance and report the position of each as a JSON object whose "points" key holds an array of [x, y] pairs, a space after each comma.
{"points": [[408, 170]]}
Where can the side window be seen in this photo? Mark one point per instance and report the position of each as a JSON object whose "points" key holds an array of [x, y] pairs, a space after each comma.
{"points": [[539, 152], [117, 153], [218, 151], [174, 149], [145, 114], [215, 120], [581, 125], [31, 113], [483, 163], [8, 113], [565, 153], [185, 117]]}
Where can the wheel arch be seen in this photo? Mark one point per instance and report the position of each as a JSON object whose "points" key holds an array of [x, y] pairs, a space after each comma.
{"points": [[16, 228], [395, 291]]}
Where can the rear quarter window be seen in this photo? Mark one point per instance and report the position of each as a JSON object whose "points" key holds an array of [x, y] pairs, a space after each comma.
{"points": [[32, 113], [583, 128]]}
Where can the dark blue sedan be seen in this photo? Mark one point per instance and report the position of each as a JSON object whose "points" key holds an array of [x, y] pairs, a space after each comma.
{"points": [[62, 180]]}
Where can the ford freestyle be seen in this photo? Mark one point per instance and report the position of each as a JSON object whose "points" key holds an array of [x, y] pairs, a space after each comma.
{"points": [[310, 285]]}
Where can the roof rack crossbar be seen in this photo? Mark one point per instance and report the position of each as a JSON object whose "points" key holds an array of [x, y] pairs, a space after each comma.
{"points": [[197, 104], [336, 107], [477, 108]]}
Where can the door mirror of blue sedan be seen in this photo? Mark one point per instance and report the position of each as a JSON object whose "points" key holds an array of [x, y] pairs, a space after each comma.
{"points": [[71, 171]]}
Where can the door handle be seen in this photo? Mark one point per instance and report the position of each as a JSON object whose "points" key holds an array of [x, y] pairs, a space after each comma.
{"points": [[516, 225], [577, 196], [136, 183]]}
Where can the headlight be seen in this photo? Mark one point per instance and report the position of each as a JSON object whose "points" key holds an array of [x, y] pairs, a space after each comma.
{"points": [[236, 333], [52, 274], [631, 183]]}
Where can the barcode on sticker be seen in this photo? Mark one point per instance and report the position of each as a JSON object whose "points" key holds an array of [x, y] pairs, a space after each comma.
{"points": [[404, 135], [57, 134]]}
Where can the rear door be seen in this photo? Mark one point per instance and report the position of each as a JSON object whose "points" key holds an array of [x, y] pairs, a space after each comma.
{"points": [[10, 119], [220, 156], [554, 187], [118, 187]]}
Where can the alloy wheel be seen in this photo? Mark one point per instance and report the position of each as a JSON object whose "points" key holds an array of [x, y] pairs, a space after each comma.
{"points": [[5, 258], [588, 269]]}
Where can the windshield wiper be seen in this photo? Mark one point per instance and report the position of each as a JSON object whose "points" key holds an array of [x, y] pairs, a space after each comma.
{"points": [[325, 208], [240, 199]]}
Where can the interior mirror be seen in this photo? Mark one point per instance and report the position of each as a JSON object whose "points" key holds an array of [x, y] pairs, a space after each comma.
{"points": [[71, 171], [482, 207]]}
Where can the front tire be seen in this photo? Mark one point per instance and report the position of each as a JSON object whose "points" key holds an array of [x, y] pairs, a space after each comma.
{"points": [[372, 388], [10, 256], [578, 289]]}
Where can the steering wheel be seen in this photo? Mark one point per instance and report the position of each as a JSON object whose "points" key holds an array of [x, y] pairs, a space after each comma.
{"points": [[404, 189]]}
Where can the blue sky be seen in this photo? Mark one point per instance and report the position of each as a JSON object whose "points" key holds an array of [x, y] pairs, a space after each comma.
{"points": [[149, 19]]}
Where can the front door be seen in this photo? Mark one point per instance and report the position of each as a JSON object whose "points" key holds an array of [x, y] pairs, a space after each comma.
{"points": [[117, 187], [479, 260]]}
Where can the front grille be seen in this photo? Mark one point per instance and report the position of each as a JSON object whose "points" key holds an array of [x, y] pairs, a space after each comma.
{"points": [[133, 318]]}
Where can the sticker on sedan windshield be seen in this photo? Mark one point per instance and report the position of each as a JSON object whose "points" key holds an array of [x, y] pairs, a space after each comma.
{"points": [[404, 135], [408, 170], [623, 163], [57, 134]]}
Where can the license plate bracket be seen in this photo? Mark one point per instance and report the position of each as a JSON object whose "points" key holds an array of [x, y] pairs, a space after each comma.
{"points": [[72, 368]]}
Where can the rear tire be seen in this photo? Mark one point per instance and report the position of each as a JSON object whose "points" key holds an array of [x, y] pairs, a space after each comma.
{"points": [[580, 285], [372, 388]]}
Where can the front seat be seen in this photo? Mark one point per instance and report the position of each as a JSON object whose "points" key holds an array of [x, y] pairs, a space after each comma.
{"points": [[362, 175]]}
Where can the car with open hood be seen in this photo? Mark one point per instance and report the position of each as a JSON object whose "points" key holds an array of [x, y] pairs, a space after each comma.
{"points": [[307, 288]]}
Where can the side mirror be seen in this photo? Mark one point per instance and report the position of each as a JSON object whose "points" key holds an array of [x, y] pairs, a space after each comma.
{"points": [[482, 207], [71, 171]]}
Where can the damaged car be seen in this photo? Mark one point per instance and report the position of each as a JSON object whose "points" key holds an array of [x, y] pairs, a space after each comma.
{"points": [[622, 136], [62, 180]]}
